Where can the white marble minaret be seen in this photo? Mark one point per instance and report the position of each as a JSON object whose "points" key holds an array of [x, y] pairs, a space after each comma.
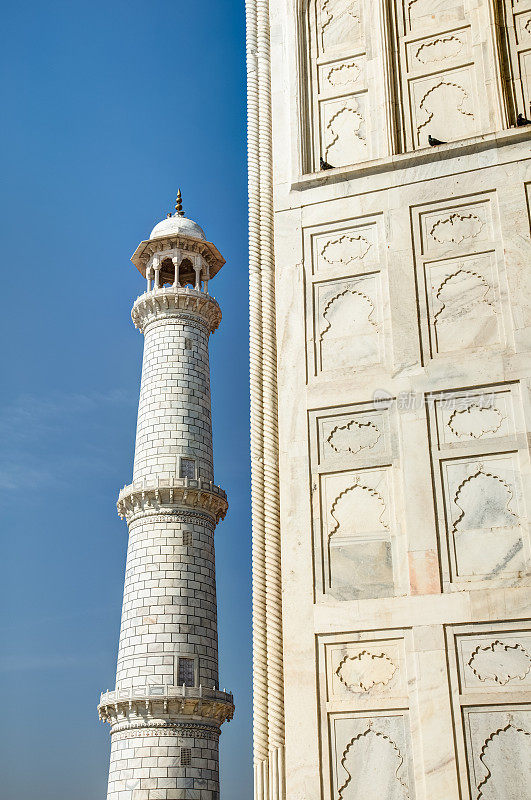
{"points": [[166, 710]]}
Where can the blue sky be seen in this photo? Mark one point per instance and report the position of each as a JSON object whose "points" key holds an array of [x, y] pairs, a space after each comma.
{"points": [[108, 108]]}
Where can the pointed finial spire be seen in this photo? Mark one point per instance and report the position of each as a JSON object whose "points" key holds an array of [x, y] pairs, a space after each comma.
{"points": [[179, 205]]}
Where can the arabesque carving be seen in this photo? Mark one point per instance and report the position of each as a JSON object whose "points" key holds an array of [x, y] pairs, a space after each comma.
{"points": [[475, 421], [454, 99], [343, 74], [349, 332], [439, 49], [456, 227], [346, 248], [506, 756], [484, 499], [366, 301], [341, 23], [374, 765], [344, 507], [500, 662], [343, 136], [354, 436], [463, 288], [366, 670]]}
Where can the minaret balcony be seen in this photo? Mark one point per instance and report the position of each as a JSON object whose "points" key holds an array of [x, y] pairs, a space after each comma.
{"points": [[166, 702], [175, 493], [175, 301]]}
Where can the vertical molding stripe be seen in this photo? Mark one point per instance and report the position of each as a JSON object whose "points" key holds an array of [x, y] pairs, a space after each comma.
{"points": [[260, 724], [269, 389], [268, 689]]}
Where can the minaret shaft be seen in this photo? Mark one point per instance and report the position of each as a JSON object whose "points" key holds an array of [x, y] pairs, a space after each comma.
{"points": [[174, 419], [169, 609]]}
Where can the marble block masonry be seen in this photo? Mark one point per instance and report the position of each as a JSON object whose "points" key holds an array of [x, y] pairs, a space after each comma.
{"points": [[166, 710], [390, 267]]}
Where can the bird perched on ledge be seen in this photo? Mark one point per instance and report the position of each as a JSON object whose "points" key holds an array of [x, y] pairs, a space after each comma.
{"points": [[325, 164], [521, 121], [433, 142]]}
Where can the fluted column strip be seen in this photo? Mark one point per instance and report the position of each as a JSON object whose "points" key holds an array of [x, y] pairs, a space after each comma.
{"points": [[260, 722], [275, 679]]}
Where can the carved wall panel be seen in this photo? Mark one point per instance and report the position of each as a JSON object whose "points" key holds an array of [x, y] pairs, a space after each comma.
{"points": [[462, 295], [444, 71], [357, 672], [500, 661], [353, 491], [479, 459], [348, 323], [499, 752], [346, 249], [475, 416], [357, 534], [341, 74], [460, 227], [361, 436], [464, 308], [347, 300], [363, 699], [370, 756], [518, 27], [491, 690], [484, 517], [344, 130]]}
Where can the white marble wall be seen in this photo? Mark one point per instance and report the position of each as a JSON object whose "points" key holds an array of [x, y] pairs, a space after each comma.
{"points": [[402, 280]]}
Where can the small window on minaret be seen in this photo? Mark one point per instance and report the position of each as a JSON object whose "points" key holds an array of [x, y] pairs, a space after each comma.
{"points": [[186, 672], [186, 756], [187, 344], [187, 538], [187, 468]]}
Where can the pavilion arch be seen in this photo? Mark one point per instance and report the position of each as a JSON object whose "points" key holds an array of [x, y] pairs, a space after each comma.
{"points": [[186, 271]]}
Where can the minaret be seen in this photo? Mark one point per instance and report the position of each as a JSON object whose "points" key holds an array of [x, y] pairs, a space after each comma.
{"points": [[166, 710]]}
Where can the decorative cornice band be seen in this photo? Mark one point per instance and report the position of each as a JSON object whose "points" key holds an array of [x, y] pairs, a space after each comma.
{"points": [[166, 705], [147, 249], [187, 730], [178, 514], [172, 495], [176, 303]]}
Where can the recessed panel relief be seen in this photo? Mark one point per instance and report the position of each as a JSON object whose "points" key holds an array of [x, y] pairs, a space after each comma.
{"points": [[484, 516], [425, 14], [344, 130], [339, 25], [346, 249], [342, 77], [363, 670], [362, 435], [348, 323], [439, 51], [464, 309], [443, 106], [474, 417], [498, 743], [371, 757], [523, 27], [458, 228], [356, 523], [498, 661]]}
